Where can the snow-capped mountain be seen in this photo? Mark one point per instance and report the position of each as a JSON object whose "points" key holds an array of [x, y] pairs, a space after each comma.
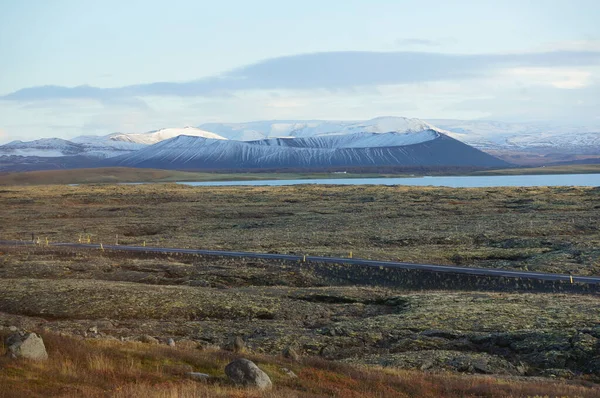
{"points": [[86, 150], [317, 143], [45, 147], [311, 128], [121, 143], [105, 146], [415, 148], [153, 137], [533, 137]]}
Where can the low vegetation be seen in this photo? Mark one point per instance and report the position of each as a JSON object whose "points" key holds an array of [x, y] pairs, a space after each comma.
{"points": [[113, 175], [566, 169], [207, 301], [536, 229], [106, 316], [100, 368]]}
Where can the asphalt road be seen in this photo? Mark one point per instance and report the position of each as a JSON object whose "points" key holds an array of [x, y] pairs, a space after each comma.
{"points": [[333, 260]]}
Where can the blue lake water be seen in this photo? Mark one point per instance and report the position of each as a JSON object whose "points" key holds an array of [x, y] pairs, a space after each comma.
{"points": [[587, 180]]}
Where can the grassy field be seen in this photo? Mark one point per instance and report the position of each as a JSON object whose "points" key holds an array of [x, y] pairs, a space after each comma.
{"points": [[536, 229], [353, 340], [95, 309], [103, 368], [114, 175], [570, 169]]}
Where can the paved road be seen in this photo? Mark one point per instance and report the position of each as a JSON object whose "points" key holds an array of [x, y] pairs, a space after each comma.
{"points": [[333, 260]]}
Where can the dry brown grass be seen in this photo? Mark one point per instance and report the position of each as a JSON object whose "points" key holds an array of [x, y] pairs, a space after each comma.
{"points": [[115, 369]]}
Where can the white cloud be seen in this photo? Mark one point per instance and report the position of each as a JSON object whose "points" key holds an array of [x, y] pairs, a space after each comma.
{"points": [[572, 45], [564, 78]]}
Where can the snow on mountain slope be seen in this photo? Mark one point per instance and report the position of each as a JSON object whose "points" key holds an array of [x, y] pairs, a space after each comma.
{"points": [[544, 137], [154, 137], [425, 148], [105, 146], [46, 147], [311, 128], [353, 140], [120, 143]]}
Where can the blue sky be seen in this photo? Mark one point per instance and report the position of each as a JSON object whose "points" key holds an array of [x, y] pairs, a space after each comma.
{"points": [[72, 67]]}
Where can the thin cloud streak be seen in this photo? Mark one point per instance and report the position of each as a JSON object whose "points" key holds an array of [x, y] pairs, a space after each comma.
{"points": [[418, 42], [333, 71]]}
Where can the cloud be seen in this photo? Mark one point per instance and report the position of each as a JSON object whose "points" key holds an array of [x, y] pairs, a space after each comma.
{"points": [[539, 103], [333, 71], [418, 42], [557, 77], [573, 45]]}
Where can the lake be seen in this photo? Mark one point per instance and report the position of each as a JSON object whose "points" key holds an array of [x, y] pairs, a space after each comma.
{"points": [[587, 180]]}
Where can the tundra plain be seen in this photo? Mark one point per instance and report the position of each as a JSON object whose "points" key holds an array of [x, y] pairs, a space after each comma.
{"points": [[111, 309]]}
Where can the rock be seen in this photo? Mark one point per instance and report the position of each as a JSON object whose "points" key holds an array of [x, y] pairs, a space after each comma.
{"points": [[521, 368], [200, 283], [426, 365], [245, 372], [104, 324], [198, 376], [171, 343], [562, 373], [148, 339], [481, 366], [206, 345], [445, 334], [584, 346], [26, 345], [237, 345], [13, 328], [290, 353], [93, 329], [289, 373]]}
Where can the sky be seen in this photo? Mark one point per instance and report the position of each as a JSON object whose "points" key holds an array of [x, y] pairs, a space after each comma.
{"points": [[78, 67]]}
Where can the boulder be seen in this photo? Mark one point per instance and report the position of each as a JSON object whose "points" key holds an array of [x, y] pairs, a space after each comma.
{"points": [[289, 373], [239, 345], [198, 376], [171, 343], [246, 373], [291, 353], [26, 345]]}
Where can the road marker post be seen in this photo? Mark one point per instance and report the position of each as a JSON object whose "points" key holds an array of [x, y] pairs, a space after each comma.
{"points": [[117, 240], [47, 242], [144, 243], [571, 277], [350, 254], [304, 258], [101, 247]]}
